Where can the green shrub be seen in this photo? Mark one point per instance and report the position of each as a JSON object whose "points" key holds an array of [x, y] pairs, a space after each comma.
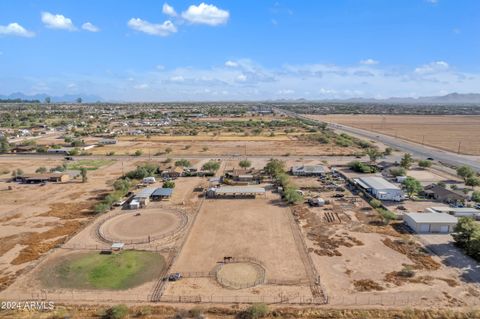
{"points": [[116, 312], [258, 310]]}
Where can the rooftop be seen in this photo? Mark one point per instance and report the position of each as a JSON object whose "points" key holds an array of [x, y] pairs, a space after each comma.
{"points": [[432, 217], [163, 192], [309, 168], [145, 193], [239, 190], [377, 182]]}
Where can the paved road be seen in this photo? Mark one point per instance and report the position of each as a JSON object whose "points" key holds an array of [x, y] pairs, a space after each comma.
{"points": [[442, 246], [417, 150]]}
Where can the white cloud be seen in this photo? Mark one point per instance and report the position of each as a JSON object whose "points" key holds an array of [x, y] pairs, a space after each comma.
{"points": [[433, 67], [15, 29], [160, 67], [369, 62], [141, 86], [432, 1], [241, 78], [57, 21], [231, 64], [90, 27], [169, 10], [163, 30], [206, 14], [177, 78]]}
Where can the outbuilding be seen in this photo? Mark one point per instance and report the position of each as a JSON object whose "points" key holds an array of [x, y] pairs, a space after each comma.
{"points": [[380, 188], [236, 192], [308, 170], [430, 222], [162, 193]]}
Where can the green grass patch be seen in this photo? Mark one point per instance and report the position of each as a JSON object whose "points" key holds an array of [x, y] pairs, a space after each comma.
{"points": [[95, 271], [89, 164]]}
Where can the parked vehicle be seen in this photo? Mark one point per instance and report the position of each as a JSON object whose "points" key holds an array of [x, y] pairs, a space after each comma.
{"points": [[174, 277]]}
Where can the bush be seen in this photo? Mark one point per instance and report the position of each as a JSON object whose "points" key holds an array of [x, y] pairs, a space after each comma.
{"points": [[375, 203], [407, 272], [138, 153], [424, 163], [169, 184], [258, 310], [360, 167], [398, 171], [476, 196], [211, 166], [183, 163], [116, 312], [101, 208], [41, 170]]}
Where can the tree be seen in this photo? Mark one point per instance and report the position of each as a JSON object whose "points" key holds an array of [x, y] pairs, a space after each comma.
{"points": [[41, 170], [464, 230], [398, 171], [465, 172], [275, 167], [373, 154], [292, 195], [211, 166], [183, 163], [472, 181], [388, 151], [424, 163], [169, 184], [138, 153], [79, 100], [412, 186], [406, 161], [4, 145], [168, 150], [83, 173], [116, 312], [256, 311], [476, 196], [245, 163], [204, 148]]}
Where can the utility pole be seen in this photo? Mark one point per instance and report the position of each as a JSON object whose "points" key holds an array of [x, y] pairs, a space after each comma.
{"points": [[423, 140], [459, 145]]}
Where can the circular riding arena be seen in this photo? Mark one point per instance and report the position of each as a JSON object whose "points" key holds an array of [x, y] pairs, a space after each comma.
{"points": [[143, 226], [238, 275]]}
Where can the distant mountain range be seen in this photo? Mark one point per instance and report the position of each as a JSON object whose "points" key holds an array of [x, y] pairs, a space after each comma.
{"points": [[452, 98], [68, 98]]}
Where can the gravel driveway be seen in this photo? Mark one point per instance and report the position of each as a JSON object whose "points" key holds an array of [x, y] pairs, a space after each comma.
{"points": [[442, 245]]}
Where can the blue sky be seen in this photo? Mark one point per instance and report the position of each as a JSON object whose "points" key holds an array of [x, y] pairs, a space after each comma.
{"points": [[239, 50]]}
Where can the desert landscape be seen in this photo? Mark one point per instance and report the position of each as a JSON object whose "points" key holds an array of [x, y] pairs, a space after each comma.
{"points": [[455, 133]]}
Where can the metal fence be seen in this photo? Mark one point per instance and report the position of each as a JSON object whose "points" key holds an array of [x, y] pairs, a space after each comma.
{"points": [[148, 239]]}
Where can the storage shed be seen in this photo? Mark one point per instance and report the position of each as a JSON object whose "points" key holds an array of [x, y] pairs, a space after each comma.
{"points": [[308, 170], [430, 222], [162, 193]]}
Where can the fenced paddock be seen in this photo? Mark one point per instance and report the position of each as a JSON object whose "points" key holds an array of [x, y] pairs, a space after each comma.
{"points": [[149, 226]]}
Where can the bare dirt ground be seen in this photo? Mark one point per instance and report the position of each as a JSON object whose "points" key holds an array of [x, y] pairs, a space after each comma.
{"points": [[255, 228], [86, 240], [361, 260], [222, 145], [34, 219], [445, 132]]}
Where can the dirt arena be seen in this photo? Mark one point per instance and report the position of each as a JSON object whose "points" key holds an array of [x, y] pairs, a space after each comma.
{"points": [[150, 225], [253, 228], [446, 132]]}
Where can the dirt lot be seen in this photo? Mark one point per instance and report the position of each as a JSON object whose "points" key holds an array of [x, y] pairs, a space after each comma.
{"points": [[35, 218], [222, 145], [256, 228], [445, 132], [359, 258]]}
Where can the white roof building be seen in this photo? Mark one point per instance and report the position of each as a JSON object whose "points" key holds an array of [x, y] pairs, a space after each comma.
{"points": [[380, 188], [430, 222], [308, 170]]}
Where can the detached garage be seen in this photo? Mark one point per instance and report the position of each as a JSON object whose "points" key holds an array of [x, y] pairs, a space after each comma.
{"points": [[430, 222]]}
